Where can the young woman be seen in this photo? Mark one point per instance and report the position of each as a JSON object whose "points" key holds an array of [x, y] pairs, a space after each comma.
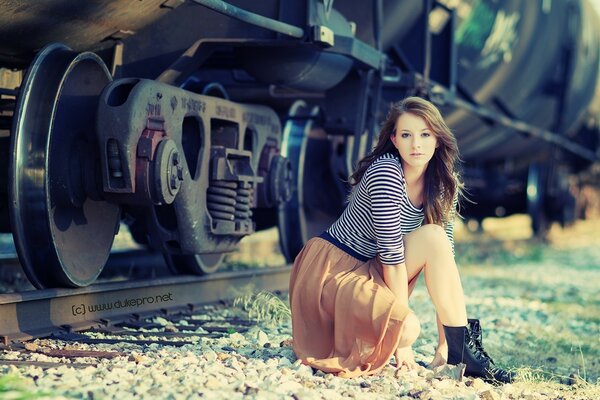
{"points": [[349, 287]]}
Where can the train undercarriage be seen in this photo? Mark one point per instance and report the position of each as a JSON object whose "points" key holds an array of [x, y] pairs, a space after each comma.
{"points": [[259, 122]]}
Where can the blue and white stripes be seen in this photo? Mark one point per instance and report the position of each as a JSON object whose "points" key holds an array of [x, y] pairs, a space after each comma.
{"points": [[380, 213]]}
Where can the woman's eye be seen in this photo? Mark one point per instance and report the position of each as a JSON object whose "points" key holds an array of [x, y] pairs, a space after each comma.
{"points": [[426, 134], [405, 135]]}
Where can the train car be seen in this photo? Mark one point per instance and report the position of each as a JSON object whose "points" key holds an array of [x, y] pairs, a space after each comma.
{"points": [[199, 122]]}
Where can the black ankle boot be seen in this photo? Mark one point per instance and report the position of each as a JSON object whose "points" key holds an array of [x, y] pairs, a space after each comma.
{"points": [[465, 346]]}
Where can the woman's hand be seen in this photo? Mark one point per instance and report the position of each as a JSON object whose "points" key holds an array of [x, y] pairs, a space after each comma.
{"points": [[405, 358], [440, 357]]}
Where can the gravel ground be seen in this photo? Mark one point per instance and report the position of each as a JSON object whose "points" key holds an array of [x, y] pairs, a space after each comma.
{"points": [[538, 306], [256, 364]]}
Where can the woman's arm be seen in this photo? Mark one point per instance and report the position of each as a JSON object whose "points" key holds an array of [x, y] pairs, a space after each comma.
{"points": [[441, 352], [449, 224], [395, 277]]}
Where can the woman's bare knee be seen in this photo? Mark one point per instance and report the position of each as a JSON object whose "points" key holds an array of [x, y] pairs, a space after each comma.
{"points": [[421, 244], [410, 330], [435, 238], [434, 232]]}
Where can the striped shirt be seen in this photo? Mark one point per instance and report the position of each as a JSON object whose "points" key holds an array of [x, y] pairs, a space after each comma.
{"points": [[380, 213]]}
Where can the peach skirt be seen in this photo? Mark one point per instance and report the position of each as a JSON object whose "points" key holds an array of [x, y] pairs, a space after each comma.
{"points": [[345, 320]]}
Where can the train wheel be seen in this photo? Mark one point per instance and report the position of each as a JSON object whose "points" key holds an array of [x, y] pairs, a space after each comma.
{"points": [[315, 200], [537, 178], [291, 216], [197, 264], [63, 237]]}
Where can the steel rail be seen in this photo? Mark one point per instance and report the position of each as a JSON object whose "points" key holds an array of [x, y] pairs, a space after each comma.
{"points": [[40, 313]]}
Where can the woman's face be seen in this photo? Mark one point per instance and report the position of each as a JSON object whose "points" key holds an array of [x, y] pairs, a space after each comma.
{"points": [[415, 142]]}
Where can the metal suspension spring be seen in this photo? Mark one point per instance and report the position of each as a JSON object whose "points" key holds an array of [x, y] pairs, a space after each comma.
{"points": [[243, 201], [221, 200]]}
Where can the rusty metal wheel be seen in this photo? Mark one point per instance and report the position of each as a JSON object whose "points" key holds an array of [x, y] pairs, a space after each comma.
{"points": [[63, 230]]}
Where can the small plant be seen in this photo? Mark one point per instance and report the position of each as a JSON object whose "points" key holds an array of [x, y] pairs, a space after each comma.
{"points": [[584, 376], [15, 388], [535, 375], [264, 307]]}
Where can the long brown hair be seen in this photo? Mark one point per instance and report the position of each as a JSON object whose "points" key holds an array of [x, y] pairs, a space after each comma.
{"points": [[442, 181]]}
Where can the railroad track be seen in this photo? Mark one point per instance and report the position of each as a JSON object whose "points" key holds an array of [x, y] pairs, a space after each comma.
{"points": [[141, 333], [117, 307]]}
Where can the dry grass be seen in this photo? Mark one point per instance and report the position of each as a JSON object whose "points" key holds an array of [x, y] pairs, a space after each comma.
{"points": [[546, 299], [264, 307]]}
